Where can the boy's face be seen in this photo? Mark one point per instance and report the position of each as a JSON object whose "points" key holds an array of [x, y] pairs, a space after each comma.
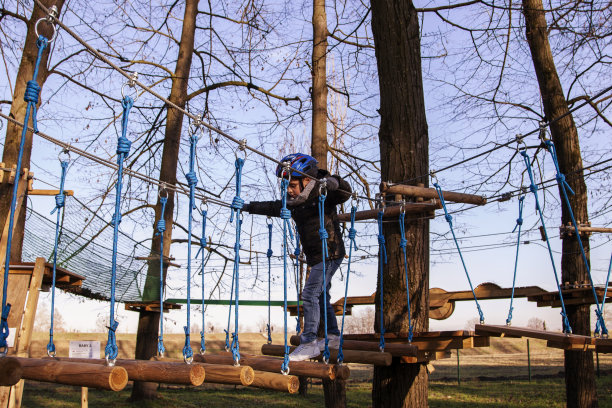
{"points": [[295, 187]]}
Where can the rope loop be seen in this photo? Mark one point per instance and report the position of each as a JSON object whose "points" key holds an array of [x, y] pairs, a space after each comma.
{"points": [[160, 346], [187, 350], [285, 365], [51, 347], [4, 329], [111, 350]]}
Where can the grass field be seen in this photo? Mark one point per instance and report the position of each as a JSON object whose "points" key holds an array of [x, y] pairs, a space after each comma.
{"points": [[495, 376]]}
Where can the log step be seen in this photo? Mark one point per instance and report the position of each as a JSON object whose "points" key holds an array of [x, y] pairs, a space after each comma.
{"points": [[222, 374], [276, 382], [10, 371]]}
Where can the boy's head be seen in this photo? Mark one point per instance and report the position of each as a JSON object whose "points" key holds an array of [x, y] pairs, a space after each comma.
{"points": [[292, 167]]}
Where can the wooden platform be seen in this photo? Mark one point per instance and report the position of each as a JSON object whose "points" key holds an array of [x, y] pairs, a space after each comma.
{"points": [[559, 340], [150, 306], [575, 294], [64, 279]]}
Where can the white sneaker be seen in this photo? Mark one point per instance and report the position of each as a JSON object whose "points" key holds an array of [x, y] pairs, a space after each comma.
{"points": [[333, 342], [305, 351]]}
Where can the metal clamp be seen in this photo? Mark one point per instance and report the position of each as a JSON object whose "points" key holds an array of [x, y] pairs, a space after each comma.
{"points": [[50, 19], [354, 200], [64, 156], [131, 83], [163, 192], [204, 205], [188, 360], [520, 143], [242, 146], [323, 188], [434, 178], [285, 371], [110, 362]]}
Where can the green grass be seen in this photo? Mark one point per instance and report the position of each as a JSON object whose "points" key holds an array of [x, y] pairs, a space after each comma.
{"points": [[548, 393]]}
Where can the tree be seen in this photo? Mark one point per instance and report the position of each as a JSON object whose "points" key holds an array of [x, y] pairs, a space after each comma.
{"points": [[536, 323], [579, 370], [404, 152]]}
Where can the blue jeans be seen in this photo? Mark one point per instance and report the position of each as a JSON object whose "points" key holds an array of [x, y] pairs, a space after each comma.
{"points": [[313, 303]]}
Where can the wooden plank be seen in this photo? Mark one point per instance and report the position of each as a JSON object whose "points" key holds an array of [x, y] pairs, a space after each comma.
{"points": [[350, 356], [395, 349], [567, 340], [39, 192], [401, 336], [150, 306], [424, 192]]}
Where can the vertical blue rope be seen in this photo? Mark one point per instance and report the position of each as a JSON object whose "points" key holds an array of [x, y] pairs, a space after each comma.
{"points": [[519, 225], [236, 208], [297, 252], [564, 186], [285, 215], [323, 235], [203, 244], [352, 244], [161, 228], [449, 219], [603, 300], [59, 204], [382, 260], [269, 255], [534, 189], [403, 243], [123, 150], [31, 97], [192, 181]]}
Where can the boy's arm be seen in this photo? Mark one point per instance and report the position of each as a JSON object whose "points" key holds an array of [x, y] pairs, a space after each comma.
{"points": [[269, 208], [338, 190]]}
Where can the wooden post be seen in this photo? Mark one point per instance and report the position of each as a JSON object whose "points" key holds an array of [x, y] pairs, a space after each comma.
{"points": [[167, 372], [350, 356], [80, 374], [84, 397], [276, 381], [416, 191]]}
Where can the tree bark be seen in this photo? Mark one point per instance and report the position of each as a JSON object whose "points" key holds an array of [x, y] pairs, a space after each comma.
{"points": [[319, 83], [18, 109], [404, 153], [579, 370], [148, 322]]}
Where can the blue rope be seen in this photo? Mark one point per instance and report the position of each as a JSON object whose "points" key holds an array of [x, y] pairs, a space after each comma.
{"points": [[603, 301], [519, 225], [236, 208], [352, 244], [297, 252], [269, 255], [161, 228], [59, 204], [203, 244], [285, 215], [449, 219], [192, 181], [323, 235], [123, 150], [534, 189], [31, 97], [382, 255], [564, 186], [403, 243]]}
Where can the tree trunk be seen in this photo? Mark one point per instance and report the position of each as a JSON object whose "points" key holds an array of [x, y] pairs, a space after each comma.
{"points": [[319, 83], [404, 154], [18, 109], [579, 370], [148, 322]]}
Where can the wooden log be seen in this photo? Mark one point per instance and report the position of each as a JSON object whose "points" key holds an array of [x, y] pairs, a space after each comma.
{"points": [[415, 191], [554, 339], [390, 211], [69, 373], [350, 356], [395, 349], [273, 365], [276, 382], [167, 372], [10, 371], [222, 374]]}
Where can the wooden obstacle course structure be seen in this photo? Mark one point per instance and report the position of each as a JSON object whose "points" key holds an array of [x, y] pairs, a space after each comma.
{"points": [[166, 372], [74, 373], [273, 365]]}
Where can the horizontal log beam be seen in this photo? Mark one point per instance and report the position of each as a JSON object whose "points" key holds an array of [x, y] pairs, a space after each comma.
{"points": [[350, 356], [276, 382], [395, 349], [10, 371], [221, 374], [391, 211], [429, 193], [167, 372], [273, 365], [40, 192], [69, 373]]}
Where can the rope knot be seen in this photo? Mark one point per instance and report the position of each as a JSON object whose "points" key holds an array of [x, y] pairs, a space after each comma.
{"points": [[32, 92], [403, 242], [285, 214], [449, 218], [116, 220], [352, 233], [297, 251], [203, 242], [269, 253], [160, 346], [161, 226], [381, 239], [237, 203], [323, 233], [519, 221], [192, 178], [123, 146]]}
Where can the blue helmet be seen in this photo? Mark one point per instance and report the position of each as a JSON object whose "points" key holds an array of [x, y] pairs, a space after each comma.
{"points": [[300, 162]]}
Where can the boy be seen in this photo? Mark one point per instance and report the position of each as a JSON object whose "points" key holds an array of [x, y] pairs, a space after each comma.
{"points": [[302, 201]]}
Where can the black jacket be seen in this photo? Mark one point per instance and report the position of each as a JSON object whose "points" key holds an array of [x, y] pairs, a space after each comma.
{"points": [[306, 217]]}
